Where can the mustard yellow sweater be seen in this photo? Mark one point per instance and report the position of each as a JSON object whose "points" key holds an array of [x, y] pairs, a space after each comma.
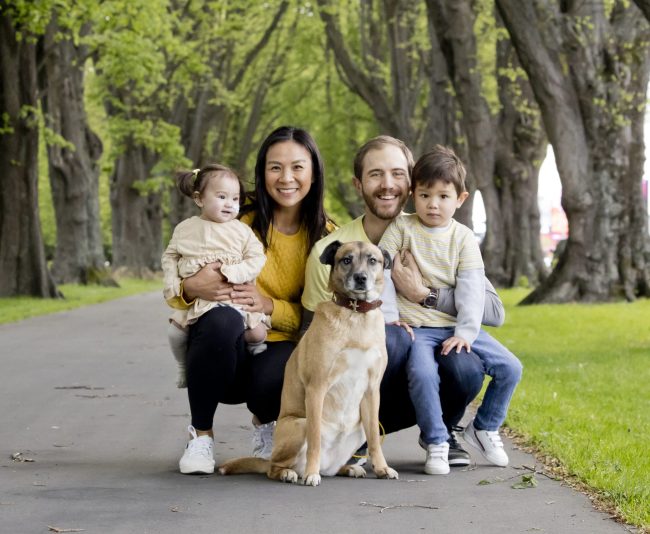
{"points": [[282, 280]]}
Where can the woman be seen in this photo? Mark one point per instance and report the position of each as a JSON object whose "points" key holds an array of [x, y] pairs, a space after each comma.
{"points": [[288, 217]]}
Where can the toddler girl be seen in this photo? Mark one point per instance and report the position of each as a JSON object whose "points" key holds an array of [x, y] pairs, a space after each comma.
{"points": [[216, 236]]}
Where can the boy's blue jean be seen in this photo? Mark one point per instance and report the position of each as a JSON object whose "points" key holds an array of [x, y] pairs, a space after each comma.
{"points": [[424, 381]]}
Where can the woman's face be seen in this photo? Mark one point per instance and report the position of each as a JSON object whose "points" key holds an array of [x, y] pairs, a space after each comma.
{"points": [[288, 173]]}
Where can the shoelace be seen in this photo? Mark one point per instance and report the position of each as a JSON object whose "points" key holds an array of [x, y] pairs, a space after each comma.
{"points": [[199, 447], [453, 443]]}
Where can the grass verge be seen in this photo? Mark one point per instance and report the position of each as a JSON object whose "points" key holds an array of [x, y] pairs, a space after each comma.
{"points": [[584, 395], [18, 308]]}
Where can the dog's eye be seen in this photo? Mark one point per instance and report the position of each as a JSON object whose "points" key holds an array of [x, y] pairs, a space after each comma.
{"points": [[346, 261], [372, 261]]}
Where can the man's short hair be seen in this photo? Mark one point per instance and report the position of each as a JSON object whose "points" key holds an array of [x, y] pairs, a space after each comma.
{"points": [[439, 163], [377, 143]]}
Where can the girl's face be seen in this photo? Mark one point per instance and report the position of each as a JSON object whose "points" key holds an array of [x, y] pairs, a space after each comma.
{"points": [[219, 201], [288, 173]]}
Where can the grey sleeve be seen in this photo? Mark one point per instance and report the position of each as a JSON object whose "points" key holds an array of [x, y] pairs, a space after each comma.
{"points": [[494, 314], [470, 302]]}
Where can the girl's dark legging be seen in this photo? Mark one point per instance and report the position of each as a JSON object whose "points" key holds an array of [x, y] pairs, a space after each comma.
{"points": [[220, 370]]}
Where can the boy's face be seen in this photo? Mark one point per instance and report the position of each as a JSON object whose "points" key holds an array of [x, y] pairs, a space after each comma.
{"points": [[435, 205], [385, 182]]}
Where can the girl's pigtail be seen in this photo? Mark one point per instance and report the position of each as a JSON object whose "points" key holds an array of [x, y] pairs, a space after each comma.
{"points": [[186, 182]]}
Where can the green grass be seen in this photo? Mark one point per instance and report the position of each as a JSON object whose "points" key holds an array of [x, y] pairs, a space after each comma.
{"points": [[18, 308], [585, 393]]}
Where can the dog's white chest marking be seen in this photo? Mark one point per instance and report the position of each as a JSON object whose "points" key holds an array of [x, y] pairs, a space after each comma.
{"points": [[343, 434]]}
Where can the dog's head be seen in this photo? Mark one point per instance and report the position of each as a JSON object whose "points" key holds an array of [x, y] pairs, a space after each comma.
{"points": [[357, 269]]}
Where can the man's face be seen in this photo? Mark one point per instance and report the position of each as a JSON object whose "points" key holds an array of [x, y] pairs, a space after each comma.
{"points": [[385, 182]]}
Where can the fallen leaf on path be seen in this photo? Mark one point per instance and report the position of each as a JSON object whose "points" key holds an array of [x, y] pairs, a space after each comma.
{"points": [[57, 529], [174, 509], [18, 457], [527, 481]]}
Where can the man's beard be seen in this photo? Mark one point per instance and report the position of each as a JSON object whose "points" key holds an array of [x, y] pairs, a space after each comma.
{"points": [[384, 213]]}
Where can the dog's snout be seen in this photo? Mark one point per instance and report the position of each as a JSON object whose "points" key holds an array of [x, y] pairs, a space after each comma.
{"points": [[360, 279]]}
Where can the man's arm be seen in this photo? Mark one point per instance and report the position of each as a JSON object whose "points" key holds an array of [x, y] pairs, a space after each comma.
{"points": [[408, 282]]}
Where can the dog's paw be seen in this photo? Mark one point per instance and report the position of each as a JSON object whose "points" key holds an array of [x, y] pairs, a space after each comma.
{"points": [[354, 471], [289, 475], [387, 472], [312, 479]]}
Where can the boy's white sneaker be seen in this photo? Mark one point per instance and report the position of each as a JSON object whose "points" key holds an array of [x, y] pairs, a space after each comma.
{"points": [[488, 443], [198, 457], [263, 440], [437, 462]]}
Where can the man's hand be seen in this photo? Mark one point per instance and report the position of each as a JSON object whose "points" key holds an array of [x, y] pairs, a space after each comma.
{"points": [[408, 278], [454, 342], [207, 284], [406, 327]]}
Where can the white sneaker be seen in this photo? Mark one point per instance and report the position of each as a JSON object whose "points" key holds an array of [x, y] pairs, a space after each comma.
{"points": [[488, 443], [263, 440], [198, 456], [437, 462]]}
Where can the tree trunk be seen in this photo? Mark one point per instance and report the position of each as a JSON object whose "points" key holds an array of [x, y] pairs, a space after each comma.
{"points": [[22, 254], [136, 216], [454, 23], [589, 73], [73, 167], [521, 148]]}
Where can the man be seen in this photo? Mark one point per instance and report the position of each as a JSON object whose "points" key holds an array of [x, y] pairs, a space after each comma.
{"points": [[382, 174]]}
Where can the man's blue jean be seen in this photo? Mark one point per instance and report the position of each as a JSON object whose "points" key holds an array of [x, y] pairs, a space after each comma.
{"points": [[424, 381], [461, 378]]}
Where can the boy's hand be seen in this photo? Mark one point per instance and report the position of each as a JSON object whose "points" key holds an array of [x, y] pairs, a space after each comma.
{"points": [[454, 342]]}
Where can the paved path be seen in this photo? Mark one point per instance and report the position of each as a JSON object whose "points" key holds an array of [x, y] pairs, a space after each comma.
{"points": [[89, 396]]}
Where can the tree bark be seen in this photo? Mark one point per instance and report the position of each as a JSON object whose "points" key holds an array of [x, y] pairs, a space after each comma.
{"points": [[74, 170], [454, 24], [136, 215], [22, 254], [589, 73], [520, 151]]}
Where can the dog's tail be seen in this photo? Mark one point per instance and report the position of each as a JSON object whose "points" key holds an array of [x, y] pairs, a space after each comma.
{"points": [[250, 464]]}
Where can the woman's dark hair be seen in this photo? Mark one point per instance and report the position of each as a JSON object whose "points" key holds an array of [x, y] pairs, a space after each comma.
{"points": [[312, 213], [190, 182]]}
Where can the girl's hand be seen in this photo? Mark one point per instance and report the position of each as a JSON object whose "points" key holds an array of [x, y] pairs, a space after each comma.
{"points": [[454, 342], [251, 299], [207, 284]]}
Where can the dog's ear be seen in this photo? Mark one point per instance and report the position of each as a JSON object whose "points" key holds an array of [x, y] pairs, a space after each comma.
{"points": [[327, 257], [388, 262]]}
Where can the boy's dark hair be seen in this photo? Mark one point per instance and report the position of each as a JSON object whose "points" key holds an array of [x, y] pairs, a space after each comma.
{"points": [[439, 163], [190, 182], [377, 143]]}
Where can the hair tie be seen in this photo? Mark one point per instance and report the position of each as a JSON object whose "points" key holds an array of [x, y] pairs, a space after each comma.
{"points": [[196, 172]]}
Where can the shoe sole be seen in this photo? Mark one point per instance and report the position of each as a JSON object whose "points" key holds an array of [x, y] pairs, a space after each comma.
{"points": [[463, 462], [432, 472], [196, 470], [476, 444]]}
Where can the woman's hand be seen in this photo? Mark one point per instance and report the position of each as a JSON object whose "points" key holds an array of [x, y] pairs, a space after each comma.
{"points": [[207, 284], [407, 277], [455, 342], [251, 299]]}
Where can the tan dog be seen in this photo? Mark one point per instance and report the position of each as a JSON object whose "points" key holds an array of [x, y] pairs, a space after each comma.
{"points": [[330, 397]]}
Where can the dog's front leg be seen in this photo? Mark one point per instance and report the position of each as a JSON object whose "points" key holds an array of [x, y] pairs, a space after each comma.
{"points": [[370, 420], [314, 398]]}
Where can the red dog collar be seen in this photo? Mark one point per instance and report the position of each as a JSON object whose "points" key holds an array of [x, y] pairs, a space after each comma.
{"points": [[361, 306]]}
